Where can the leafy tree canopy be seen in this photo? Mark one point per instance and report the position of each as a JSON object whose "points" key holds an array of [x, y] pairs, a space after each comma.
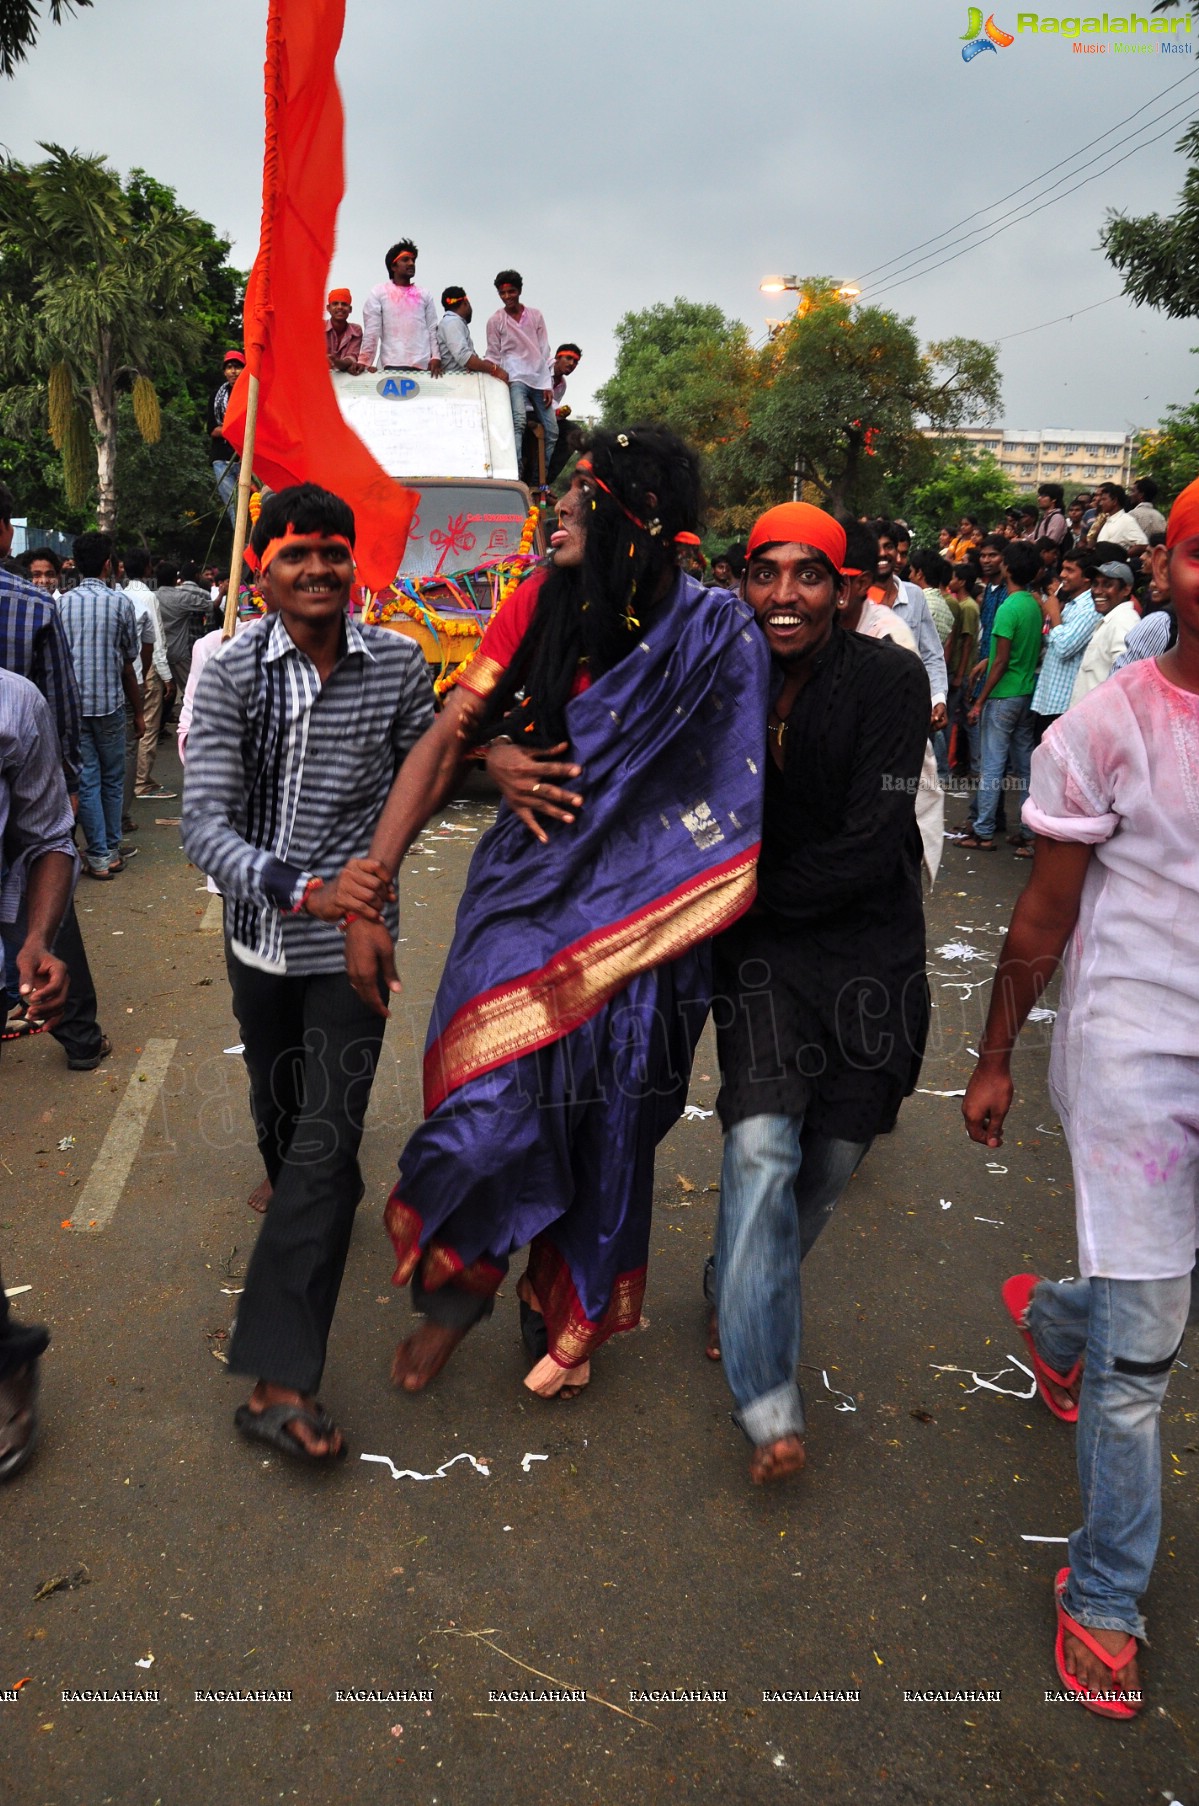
{"points": [[1158, 257], [19, 23]]}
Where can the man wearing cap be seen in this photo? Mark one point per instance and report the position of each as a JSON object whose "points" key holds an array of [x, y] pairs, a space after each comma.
{"points": [[399, 321], [453, 333], [821, 1003], [225, 465], [1111, 588], [343, 338]]}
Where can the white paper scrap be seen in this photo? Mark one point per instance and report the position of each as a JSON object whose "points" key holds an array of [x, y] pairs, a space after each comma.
{"points": [[68, 1141], [15, 1291], [993, 1166], [240, 1048], [924, 1093], [1044, 1539], [528, 1460], [998, 1221], [961, 950], [408, 1473], [989, 1385], [146, 1662], [847, 1402], [693, 1113], [1040, 1015], [946, 1203]]}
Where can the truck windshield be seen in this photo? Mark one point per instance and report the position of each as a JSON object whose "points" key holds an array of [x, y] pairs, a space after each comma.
{"points": [[460, 526]]}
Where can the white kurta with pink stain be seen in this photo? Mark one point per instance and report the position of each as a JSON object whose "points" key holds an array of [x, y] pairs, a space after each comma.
{"points": [[1120, 772]]}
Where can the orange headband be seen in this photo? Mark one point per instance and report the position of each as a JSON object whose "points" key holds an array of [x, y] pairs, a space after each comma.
{"points": [[261, 561], [1184, 515], [340, 294], [798, 523]]}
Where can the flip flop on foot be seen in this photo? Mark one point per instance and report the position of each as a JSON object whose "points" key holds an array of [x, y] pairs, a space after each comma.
{"points": [[775, 1460], [1053, 1387], [270, 1423], [1112, 1697]]}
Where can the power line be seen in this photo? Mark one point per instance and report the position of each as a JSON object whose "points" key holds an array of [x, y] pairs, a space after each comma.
{"points": [[902, 280], [904, 256], [1025, 330]]}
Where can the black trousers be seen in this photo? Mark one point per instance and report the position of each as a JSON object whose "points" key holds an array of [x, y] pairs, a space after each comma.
{"points": [[311, 1049], [20, 1343], [76, 1031]]}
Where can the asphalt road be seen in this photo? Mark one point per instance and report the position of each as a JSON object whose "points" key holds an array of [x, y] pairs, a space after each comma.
{"points": [[636, 1556]]}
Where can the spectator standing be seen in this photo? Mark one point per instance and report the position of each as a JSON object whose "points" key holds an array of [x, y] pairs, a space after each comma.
{"points": [[399, 321], [101, 629], [183, 609], [1072, 617], [890, 591], [143, 665], [1052, 524], [517, 339], [39, 857], [157, 678], [43, 567], [965, 543], [343, 338], [1113, 525], [225, 465], [960, 656], [1005, 705], [1112, 588], [453, 336], [1145, 511]]}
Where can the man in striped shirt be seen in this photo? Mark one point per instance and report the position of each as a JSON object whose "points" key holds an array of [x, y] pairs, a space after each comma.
{"points": [[300, 726], [101, 630]]}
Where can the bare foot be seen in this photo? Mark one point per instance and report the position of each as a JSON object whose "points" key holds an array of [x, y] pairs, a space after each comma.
{"points": [[265, 1394], [712, 1345], [550, 1380], [775, 1460], [260, 1197], [422, 1357], [1091, 1673]]}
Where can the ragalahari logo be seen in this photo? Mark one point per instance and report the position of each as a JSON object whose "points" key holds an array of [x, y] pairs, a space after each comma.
{"points": [[979, 37]]}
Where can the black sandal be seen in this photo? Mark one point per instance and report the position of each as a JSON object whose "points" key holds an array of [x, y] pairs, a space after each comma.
{"points": [[270, 1426], [18, 1399]]}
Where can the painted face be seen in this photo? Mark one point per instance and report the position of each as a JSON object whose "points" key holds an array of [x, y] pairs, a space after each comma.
{"points": [[794, 597], [1176, 574], [309, 583], [569, 538]]}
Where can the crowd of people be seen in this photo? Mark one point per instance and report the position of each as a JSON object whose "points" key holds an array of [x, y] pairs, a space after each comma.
{"points": [[711, 805]]}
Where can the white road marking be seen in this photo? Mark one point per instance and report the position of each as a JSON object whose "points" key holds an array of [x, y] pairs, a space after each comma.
{"points": [[105, 1183], [213, 919]]}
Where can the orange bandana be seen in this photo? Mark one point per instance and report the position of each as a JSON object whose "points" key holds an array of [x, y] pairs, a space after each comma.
{"points": [[261, 561], [798, 523], [1184, 515]]}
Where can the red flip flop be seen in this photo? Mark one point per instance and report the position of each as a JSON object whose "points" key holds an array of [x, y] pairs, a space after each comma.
{"points": [[1129, 1702], [1017, 1292]]}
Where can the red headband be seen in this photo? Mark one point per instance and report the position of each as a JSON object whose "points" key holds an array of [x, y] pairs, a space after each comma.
{"points": [[1184, 515], [584, 464], [798, 523], [261, 561], [341, 294]]}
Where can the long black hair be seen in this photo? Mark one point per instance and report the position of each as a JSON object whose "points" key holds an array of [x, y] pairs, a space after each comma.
{"points": [[594, 613]]}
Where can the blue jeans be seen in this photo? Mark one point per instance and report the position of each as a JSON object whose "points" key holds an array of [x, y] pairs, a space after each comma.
{"points": [[1129, 1331], [778, 1187], [227, 471], [1007, 740], [102, 786], [523, 398]]}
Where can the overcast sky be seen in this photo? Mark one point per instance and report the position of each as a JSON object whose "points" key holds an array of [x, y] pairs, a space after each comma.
{"points": [[620, 154]]}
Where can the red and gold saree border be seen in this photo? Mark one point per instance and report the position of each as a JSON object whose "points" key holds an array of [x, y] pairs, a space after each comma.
{"points": [[541, 1007], [571, 1335], [439, 1265]]}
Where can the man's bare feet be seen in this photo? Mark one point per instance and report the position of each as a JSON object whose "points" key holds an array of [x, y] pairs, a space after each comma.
{"points": [[712, 1345], [775, 1460], [260, 1197], [550, 1380], [422, 1357], [1090, 1672], [265, 1394]]}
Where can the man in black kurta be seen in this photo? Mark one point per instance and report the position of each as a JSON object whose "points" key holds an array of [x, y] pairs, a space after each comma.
{"points": [[822, 1008]]}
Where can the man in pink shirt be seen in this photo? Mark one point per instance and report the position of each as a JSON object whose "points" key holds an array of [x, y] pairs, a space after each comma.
{"points": [[517, 339], [399, 321]]}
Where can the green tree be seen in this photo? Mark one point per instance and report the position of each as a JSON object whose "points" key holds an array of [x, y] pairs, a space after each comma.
{"points": [[102, 287], [1170, 452], [958, 483], [1158, 257], [684, 365], [843, 396], [19, 27]]}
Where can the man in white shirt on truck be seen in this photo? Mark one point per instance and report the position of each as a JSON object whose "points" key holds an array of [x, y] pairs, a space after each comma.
{"points": [[399, 321]]}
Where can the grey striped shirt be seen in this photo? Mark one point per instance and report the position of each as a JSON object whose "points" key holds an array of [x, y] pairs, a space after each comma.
{"points": [[102, 632], [35, 814], [287, 778]]}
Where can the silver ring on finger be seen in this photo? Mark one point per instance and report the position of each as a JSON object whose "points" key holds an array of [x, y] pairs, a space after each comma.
{"points": [[536, 788]]}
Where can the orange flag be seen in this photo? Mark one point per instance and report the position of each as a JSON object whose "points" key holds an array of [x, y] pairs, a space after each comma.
{"points": [[301, 435]]}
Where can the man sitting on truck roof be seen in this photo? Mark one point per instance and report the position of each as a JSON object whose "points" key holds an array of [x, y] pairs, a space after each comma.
{"points": [[343, 336], [399, 321], [453, 335]]}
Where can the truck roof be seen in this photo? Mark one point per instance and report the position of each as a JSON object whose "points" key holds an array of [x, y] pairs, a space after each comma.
{"points": [[418, 425]]}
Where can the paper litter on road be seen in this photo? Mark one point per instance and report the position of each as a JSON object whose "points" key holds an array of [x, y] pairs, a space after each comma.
{"points": [[68, 1141], [145, 1662], [993, 1166], [847, 1400], [1042, 1130], [1040, 1015], [1044, 1539], [989, 1385], [998, 1221], [693, 1113], [408, 1473], [454, 827], [961, 950], [946, 1203], [240, 1048], [15, 1291], [924, 1093], [526, 1461]]}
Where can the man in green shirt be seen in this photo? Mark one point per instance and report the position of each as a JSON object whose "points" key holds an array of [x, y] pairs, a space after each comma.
{"points": [[1005, 703]]}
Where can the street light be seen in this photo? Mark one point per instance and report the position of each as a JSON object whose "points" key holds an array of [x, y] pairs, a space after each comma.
{"points": [[778, 285]]}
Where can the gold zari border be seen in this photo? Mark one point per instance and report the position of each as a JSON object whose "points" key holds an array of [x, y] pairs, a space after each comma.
{"points": [[480, 675], [571, 1336]]}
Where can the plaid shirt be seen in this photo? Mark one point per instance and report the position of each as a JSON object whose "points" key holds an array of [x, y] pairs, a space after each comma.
{"points": [[287, 777], [1064, 647], [35, 815], [33, 645], [101, 629]]}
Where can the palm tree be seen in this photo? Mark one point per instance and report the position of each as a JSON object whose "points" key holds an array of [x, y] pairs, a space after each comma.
{"points": [[99, 302], [18, 28]]}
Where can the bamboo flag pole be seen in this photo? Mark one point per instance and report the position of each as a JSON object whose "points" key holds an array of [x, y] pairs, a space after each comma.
{"points": [[257, 305], [241, 520]]}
